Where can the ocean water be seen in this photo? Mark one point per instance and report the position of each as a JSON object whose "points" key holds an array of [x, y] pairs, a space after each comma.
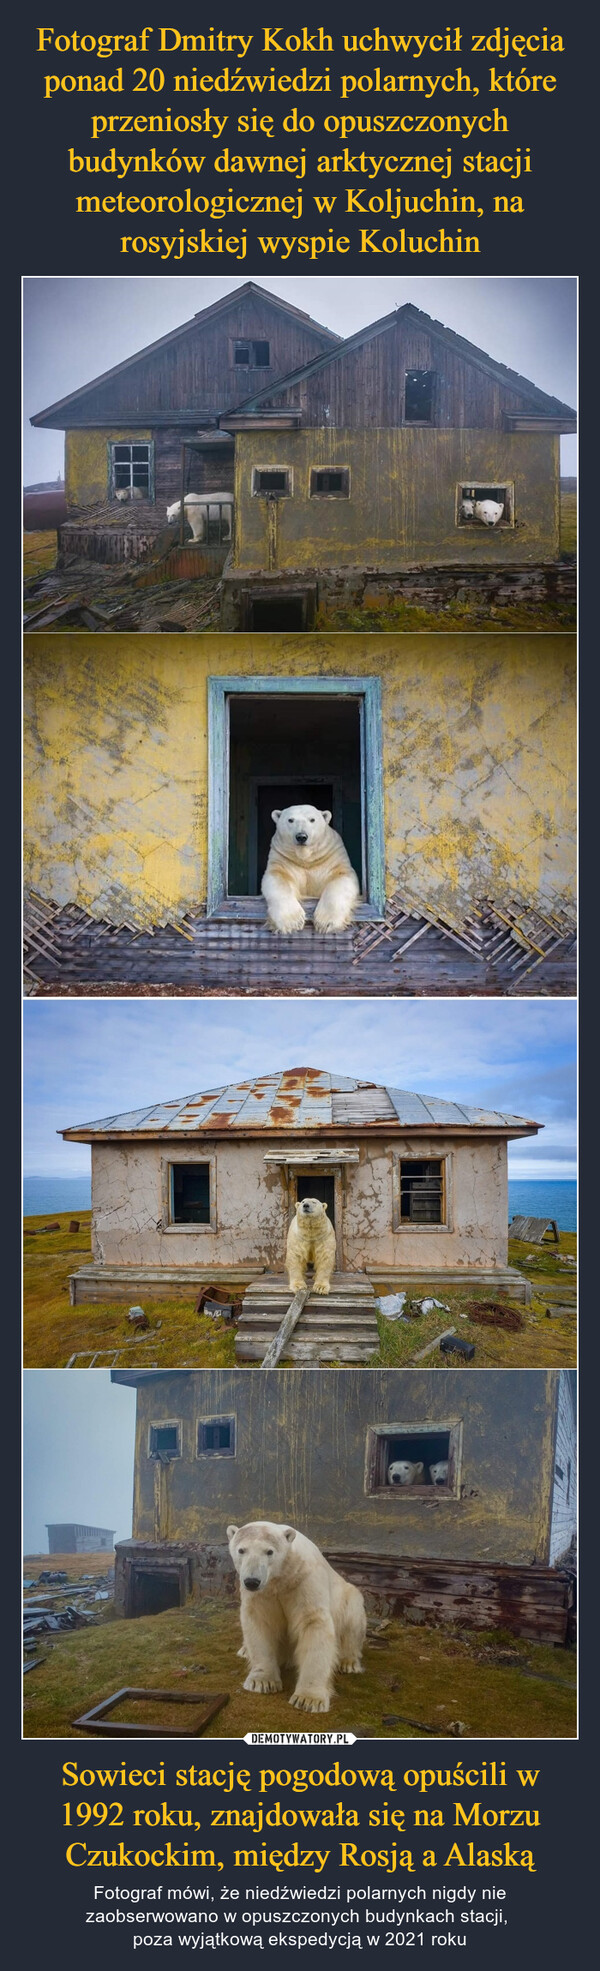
{"points": [[536, 1198], [531, 1198], [52, 1194]]}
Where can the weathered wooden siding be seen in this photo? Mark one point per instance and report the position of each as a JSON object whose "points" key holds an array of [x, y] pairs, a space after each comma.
{"points": [[300, 1458], [366, 386], [403, 498], [478, 744], [87, 469], [197, 371]]}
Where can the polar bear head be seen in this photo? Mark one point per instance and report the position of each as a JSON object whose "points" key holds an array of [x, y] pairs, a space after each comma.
{"points": [[259, 1551], [302, 832], [310, 1208], [404, 1472]]}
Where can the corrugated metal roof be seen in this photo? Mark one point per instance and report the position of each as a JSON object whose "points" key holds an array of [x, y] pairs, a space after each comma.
{"points": [[297, 1098]]}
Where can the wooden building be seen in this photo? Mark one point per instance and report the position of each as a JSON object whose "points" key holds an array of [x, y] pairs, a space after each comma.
{"points": [[75, 1539], [313, 1451], [187, 1192], [379, 452]]}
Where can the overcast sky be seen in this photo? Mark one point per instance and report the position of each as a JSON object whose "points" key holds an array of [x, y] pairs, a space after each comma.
{"points": [[78, 326], [78, 1452], [89, 1059]]}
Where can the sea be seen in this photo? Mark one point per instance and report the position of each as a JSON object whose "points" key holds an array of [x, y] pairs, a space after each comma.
{"points": [[527, 1197]]}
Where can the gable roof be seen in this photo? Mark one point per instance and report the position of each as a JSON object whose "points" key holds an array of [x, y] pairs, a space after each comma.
{"points": [[297, 1099], [536, 400], [214, 308]]}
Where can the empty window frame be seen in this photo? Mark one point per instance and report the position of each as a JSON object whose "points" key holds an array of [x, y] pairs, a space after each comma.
{"points": [[426, 1457], [189, 1202], [420, 1193], [331, 483], [131, 470], [164, 1442], [419, 396], [251, 355], [216, 1437], [239, 817], [477, 506], [276, 481]]}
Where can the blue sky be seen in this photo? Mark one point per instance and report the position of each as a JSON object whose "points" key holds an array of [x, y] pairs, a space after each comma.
{"points": [[85, 1059], [77, 326]]}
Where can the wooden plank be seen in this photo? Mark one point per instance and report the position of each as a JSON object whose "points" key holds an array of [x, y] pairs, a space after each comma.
{"points": [[276, 1347]]}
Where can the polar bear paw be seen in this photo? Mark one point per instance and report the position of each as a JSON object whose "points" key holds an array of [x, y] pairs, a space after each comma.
{"points": [[258, 1681], [329, 920], [322, 1286], [310, 1700], [289, 920], [352, 1669]]}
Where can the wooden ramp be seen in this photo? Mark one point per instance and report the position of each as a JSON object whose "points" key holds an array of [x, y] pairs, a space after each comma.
{"points": [[337, 1327]]}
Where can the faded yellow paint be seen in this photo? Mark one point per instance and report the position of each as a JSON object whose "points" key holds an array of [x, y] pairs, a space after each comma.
{"points": [[478, 762], [402, 506], [86, 463]]}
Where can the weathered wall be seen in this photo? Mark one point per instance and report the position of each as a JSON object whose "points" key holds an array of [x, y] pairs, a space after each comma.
{"points": [[252, 1208], [478, 762], [86, 463], [402, 504], [564, 1488], [300, 1458]]}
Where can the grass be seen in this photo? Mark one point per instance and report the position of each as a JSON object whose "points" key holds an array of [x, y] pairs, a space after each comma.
{"points": [[39, 555], [432, 1675], [568, 522], [53, 1330], [476, 614]]}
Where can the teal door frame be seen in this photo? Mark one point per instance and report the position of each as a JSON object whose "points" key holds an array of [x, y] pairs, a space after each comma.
{"points": [[368, 692]]}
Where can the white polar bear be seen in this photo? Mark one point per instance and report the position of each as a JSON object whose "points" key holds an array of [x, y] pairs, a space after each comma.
{"points": [[404, 1472], [308, 859], [295, 1609], [197, 509], [310, 1240]]}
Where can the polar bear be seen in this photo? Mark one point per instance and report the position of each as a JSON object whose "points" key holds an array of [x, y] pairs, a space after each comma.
{"points": [[404, 1472], [197, 509], [294, 1609], [310, 1240], [308, 859]]}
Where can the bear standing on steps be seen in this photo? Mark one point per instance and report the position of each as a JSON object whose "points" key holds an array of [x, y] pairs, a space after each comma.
{"points": [[308, 859], [310, 1241], [294, 1609]]}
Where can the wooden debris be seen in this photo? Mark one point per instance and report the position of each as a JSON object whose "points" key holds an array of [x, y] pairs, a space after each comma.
{"points": [[97, 1720], [534, 1231]]}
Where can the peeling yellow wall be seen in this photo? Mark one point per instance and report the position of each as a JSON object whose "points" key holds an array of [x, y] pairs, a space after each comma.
{"points": [[86, 463], [402, 504], [478, 759]]}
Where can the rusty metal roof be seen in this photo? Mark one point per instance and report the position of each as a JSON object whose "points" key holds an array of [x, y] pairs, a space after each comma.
{"points": [[297, 1098]]}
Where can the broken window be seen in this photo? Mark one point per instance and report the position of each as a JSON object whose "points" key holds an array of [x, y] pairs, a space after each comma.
{"points": [[422, 1191], [413, 1460], [485, 507], [271, 479], [190, 1194], [327, 484], [418, 396], [216, 1437], [131, 471], [165, 1442], [252, 355], [270, 740]]}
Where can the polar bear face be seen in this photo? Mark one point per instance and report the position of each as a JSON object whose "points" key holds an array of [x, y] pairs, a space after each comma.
{"points": [[404, 1472], [311, 1208], [302, 832], [259, 1551], [439, 1473]]}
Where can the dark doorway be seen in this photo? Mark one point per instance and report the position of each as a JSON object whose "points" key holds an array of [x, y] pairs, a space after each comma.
{"points": [[271, 740], [155, 1590], [284, 612], [318, 1186]]}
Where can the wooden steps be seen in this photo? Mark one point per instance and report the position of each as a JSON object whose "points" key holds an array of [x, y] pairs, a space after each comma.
{"points": [[338, 1327]]}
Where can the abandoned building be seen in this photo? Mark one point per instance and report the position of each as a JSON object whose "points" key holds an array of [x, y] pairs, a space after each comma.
{"points": [[153, 764], [489, 1548], [399, 460], [73, 1539], [189, 1192]]}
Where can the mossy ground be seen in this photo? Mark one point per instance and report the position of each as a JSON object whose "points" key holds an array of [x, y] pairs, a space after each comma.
{"points": [[497, 1686], [39, 555], [53, 1330]]}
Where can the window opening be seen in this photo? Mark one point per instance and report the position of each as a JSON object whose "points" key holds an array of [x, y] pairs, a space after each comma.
{"points": [[268, 737], [190, 1194], [164, 1442], [131, 469], [421, 1191], [326, 484], [418, 396], [271, 479], [485, 507], [216, 1435], [252, 355], [416, 1460]]}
